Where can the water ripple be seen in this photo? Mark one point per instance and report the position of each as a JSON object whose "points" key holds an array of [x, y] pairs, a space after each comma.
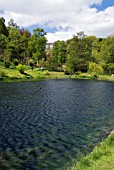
{"points": [[45, 125]]}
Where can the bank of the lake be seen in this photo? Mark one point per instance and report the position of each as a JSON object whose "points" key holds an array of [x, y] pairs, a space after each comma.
{"points": [[7, 74], [102, 157], [35, 74]]}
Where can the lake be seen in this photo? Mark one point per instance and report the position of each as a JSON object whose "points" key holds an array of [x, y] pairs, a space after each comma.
{"points": [[45, 125]]}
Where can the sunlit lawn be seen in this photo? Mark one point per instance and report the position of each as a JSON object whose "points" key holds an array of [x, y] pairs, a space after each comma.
{"points": [[37, 74], [102, 157]]}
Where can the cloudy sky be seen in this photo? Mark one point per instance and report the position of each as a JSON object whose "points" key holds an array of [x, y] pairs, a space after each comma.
{"points": [[62, 18]]}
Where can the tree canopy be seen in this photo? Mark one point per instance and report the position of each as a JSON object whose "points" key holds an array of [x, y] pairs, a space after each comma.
{"points": [[80, 53]]}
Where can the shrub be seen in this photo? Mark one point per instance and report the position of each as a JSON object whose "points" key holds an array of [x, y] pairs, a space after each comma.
{"points": [[95, 69], [31, 63], [15, 77], [87, 76], [12, 65], [1, 63], [111, 68], [108, 68], [40, 75], [68, 71], [78, 73], [21, 68], [7, 64], [82, 67], [46, 72], [16, 62], [3, 74]]}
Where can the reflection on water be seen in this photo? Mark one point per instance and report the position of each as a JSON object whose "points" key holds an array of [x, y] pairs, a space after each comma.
{"points": [[45, 125]]}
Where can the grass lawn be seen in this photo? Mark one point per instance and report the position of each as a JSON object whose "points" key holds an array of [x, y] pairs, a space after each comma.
{"points": [[102, 157], [14, 74]]}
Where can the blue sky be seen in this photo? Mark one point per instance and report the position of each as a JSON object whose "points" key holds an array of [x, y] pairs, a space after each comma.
{"points": [[100, 7], [103, 5], [62, 19]]}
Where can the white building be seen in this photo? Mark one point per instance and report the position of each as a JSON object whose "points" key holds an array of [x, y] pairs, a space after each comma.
{"points": [[49, 46]]}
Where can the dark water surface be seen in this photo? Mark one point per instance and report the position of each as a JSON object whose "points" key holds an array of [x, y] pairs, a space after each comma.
{"points": [[44, 125]]}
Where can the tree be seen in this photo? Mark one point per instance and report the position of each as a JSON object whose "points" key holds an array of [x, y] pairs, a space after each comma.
{"points": [[31, 63], [110, 42], [3, 42], [81, 34], [77, 56], [12, 24], [95, 69], [21, 68], [59, 52], [17, 46], [24, 40], [39, 32], [13, 45], [3, 29], [100, 51], [37, 43]]}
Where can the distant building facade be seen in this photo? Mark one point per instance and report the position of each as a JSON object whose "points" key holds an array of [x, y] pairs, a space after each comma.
{"points": [[49, 46]]}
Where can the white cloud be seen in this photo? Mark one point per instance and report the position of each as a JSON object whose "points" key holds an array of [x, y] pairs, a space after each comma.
{"points": [[69, 17], [62, 35]]}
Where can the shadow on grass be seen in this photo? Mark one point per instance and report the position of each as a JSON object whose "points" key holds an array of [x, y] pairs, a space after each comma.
{"points": [[27, 76]]}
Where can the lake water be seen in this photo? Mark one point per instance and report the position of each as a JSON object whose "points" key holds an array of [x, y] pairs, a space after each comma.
{"points": [[45, 125]]}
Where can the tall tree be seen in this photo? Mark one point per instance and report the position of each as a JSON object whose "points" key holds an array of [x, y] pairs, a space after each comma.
{"points": [[110, 42], [37, 44], [13, 45], [3, 29], [59, 52], [77, 55], [24, 40], [3, 42], [12, 24]]}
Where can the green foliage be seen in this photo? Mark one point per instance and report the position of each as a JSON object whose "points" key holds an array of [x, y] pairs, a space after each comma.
{"points": [[31, 63], [36, 44], [46, 72], [13, 46], [12, 65], [78, 53], [40, 75], [1, 63], [12, 24], [68, 71], [21, 68], [7, 64], [59, 52], [111, 68], [3, 74], [86, 76], [95, 69], [101, 157], [19, 46], [3, 41], [3, 29], [108, 68], [16, 61]]}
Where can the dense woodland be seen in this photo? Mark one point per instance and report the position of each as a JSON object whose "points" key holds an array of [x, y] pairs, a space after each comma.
{"points": [[81, 53]]}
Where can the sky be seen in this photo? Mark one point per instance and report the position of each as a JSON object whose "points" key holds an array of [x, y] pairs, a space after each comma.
{"points": [[61, 19]]}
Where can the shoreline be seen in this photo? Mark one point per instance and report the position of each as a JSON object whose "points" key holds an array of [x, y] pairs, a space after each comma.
{"points": [[35, 75], [100, 158], [50, 78]]}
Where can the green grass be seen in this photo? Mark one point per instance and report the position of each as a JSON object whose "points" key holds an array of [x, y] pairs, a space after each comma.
{"points": [[57, 75], [35, 74], [13, 74], [102, 157], [106, 77]]}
